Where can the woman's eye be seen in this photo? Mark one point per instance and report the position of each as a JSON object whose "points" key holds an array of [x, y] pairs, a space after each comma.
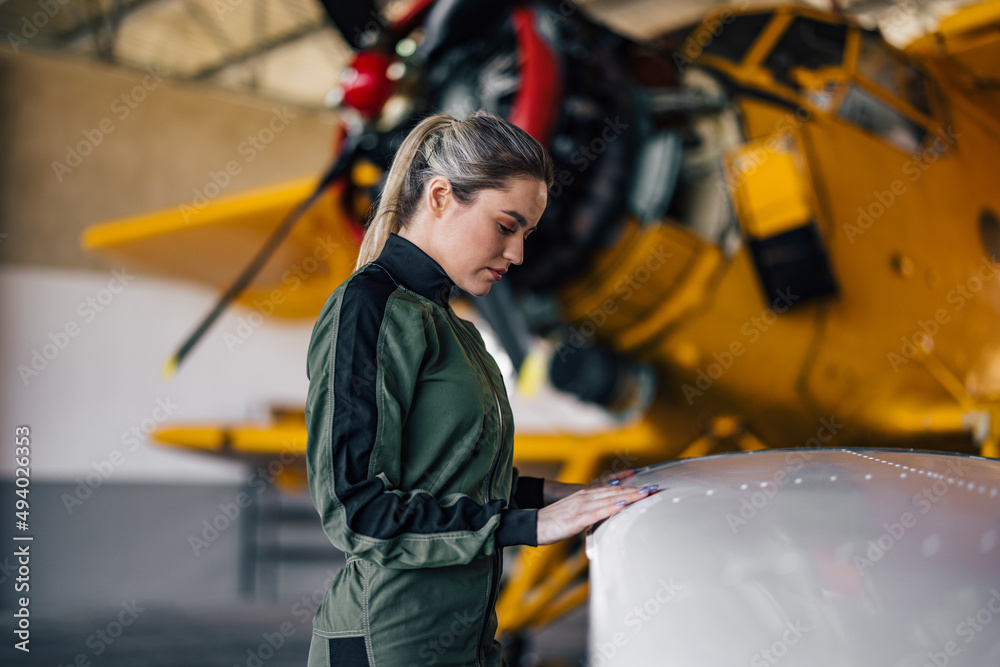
{"points": [[504, 229]]}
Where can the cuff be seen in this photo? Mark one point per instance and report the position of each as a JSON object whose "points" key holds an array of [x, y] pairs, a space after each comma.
{"points": [[517, 527], [528, 492]]}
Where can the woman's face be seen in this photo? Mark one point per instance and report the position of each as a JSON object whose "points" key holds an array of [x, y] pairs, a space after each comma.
{"points": [[476, 244]]}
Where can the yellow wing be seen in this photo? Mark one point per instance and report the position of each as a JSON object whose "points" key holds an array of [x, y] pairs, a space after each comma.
{"points": [[211, 242]]}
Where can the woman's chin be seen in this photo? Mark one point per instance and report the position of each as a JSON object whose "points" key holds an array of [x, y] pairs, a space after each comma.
{"points": [[478, 289], [476, 286]]}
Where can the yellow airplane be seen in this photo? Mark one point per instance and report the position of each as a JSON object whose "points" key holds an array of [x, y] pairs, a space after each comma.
{"points": [[817, 263]]}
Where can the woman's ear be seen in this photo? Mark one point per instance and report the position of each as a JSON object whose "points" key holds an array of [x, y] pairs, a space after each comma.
{"points": [[438, 195]]}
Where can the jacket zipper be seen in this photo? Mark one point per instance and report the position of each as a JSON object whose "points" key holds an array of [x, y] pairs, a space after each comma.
{"points": [[491, 588]]}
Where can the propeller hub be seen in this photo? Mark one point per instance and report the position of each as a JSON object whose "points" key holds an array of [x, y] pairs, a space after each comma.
{"points": [[366, 85]]}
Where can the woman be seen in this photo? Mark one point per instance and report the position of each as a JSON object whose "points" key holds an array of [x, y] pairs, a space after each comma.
{"points": [[410, 433]]}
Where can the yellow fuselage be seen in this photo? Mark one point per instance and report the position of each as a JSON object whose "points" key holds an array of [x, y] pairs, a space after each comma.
{"points": [[908, 348]]}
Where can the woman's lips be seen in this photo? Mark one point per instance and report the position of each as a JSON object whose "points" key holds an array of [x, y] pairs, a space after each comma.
{"points": [[497, 274]]}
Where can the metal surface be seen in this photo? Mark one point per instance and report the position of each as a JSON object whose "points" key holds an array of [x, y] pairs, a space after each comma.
{"points": [[803, 557]]}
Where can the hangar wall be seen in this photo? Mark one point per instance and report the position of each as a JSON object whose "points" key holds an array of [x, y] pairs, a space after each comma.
{"points": [[81, 143]]}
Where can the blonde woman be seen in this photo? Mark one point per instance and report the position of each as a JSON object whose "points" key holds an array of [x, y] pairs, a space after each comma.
{"points": [[410, 432]]}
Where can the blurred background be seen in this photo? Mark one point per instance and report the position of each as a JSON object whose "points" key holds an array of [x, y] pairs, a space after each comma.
{"points": [[147, 554]]}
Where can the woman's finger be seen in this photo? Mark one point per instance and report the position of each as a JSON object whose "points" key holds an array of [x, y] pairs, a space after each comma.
{"points": [[608, 506], [601, 499], [613, 478], [603, 492]]}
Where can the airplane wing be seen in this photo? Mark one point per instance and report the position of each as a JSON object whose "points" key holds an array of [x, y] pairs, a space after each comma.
{"points": [[211, 241]]}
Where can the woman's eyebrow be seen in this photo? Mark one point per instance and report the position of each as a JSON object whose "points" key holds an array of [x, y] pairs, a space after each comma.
{"points": [[517, 216]]}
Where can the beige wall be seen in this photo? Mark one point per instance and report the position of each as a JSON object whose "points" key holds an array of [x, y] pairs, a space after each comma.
{"points": [[152, 142]]}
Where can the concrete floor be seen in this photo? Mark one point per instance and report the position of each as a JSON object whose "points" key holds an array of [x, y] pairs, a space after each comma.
{"points": [[215, 637], [126, 554]]}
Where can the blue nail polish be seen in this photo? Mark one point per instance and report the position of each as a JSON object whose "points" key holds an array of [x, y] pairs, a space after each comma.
{"points": [[620, 503], [614, 482], [647, 489]]}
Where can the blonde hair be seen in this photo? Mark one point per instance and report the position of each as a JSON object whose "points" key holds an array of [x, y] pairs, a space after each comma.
{"points": [[483, 151]]}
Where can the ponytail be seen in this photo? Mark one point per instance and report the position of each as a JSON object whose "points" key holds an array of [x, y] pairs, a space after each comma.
{"points": [[400, 186], [483, 151]]}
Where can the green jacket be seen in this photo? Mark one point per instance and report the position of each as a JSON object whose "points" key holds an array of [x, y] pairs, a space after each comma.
{"points": [[410, 441]]}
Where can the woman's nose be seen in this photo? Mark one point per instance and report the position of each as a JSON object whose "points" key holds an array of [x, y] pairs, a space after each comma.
{"points": [[514, 251]]}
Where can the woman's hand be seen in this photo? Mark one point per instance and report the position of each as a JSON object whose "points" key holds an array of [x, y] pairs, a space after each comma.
{"points": [[567, 517], [553, 491]]}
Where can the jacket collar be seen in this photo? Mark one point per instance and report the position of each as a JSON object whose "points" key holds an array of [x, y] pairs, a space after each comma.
{"points": [[414, 269]]}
